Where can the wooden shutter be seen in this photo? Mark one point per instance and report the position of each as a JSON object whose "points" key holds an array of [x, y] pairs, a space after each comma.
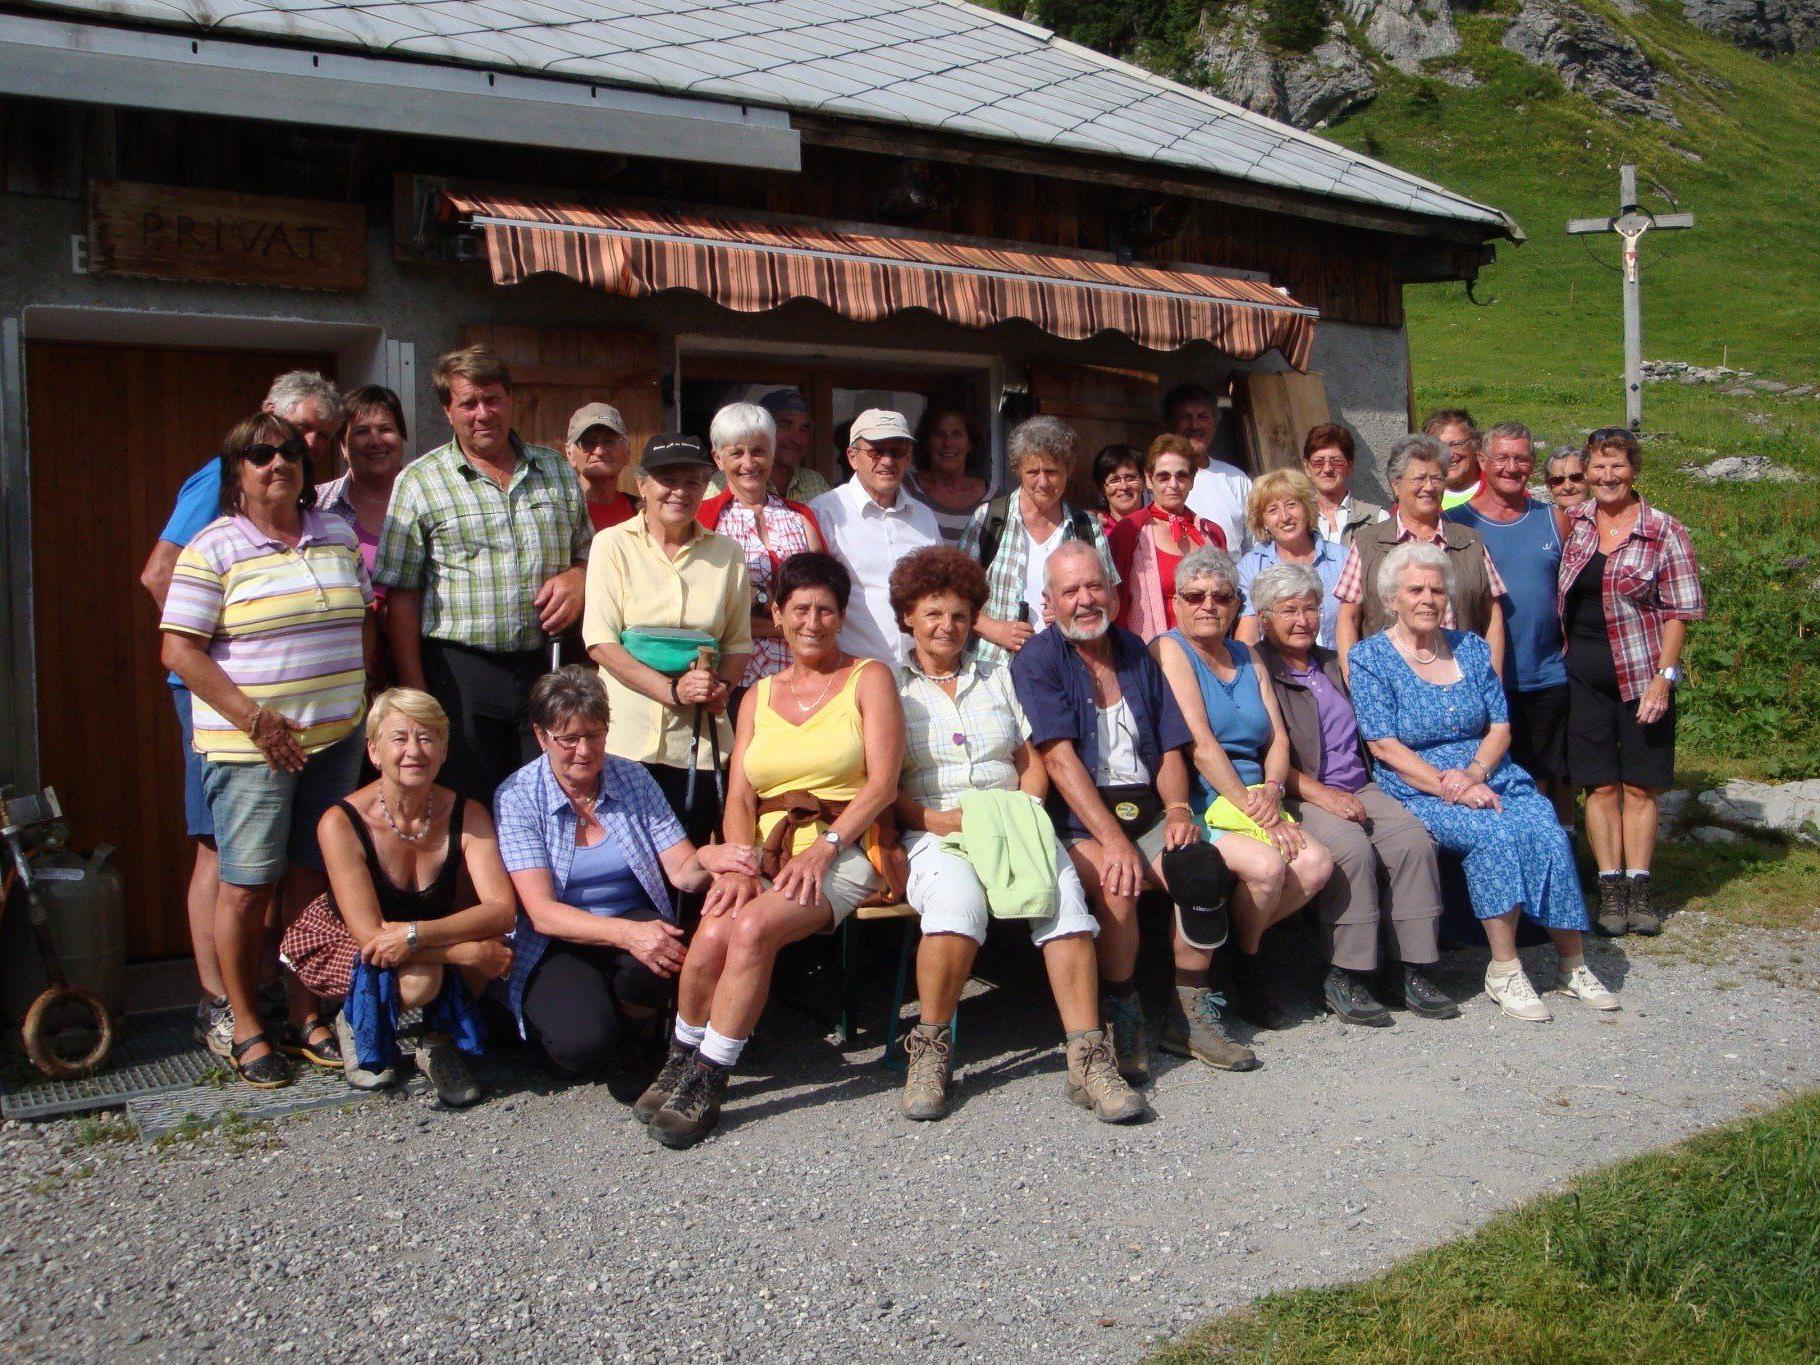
{"points": [[1105, 407], [1276, 413], [556, 370]]}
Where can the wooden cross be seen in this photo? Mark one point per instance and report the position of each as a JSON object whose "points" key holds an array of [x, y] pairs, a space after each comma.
{"points": [[1630, 224]]}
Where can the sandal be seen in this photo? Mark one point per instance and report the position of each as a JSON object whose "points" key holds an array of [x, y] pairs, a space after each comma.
{"points": [[270, 1072], [294, 1041]]}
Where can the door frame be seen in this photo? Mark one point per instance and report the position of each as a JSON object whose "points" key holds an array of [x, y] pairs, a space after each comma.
{"points": [[366, 353]]}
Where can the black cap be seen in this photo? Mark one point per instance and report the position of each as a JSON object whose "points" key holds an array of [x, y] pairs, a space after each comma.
{"points": [[1197, 875], [669, 449]]}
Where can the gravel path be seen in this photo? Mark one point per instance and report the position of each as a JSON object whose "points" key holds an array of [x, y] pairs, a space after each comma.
{"points": [[818, 1226]]}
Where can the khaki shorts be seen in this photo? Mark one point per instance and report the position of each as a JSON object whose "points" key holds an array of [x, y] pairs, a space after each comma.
{"points": [[850, 880], [1149, 844]]}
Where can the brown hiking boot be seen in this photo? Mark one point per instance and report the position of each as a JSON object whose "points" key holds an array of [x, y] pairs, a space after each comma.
{"points": [[1094, 1081], [1196, 1027], [1129, 1037], [676, 1062], [1613, 916], [690, 1114], [1640, 911], [930, 1054]]}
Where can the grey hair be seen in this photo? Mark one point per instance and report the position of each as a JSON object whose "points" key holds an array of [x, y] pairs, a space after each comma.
{"points": [[1210, 561], [1559, 456], [296, 387], [1278, 581], [1510, 431], [573, 690], [1070, 549], [1049, 436], [1412, 554], [1415, 446], [739, 422]]}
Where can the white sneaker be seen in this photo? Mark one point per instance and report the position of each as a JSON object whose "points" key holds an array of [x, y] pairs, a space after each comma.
{"points": [[1583, 985], [1517, 998]]}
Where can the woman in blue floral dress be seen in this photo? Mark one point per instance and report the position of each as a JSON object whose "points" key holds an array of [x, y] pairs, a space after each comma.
{"points": [[1433, 713]]}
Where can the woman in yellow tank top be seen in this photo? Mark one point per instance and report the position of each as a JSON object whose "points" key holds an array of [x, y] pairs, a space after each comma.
{"points": [[826, 731]]}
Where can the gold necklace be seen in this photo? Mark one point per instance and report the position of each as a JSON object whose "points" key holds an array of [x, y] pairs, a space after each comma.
{"points": [[796, 697]]}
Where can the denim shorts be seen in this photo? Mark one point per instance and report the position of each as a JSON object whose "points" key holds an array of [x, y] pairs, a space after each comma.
{"points": [[196, 818], [265, 819]]}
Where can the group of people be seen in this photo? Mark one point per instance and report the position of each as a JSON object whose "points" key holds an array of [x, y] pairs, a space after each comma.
{"points": [[906, 688]]}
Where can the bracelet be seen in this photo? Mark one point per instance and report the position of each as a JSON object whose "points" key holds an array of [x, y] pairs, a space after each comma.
{"points": [[1178, 805], [252, 721], [675, 696], [1282, 791], [1483, 772]]}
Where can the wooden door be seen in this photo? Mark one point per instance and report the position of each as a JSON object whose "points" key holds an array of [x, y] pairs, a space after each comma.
{"points": [[1276, 413], [556, 370], [113, 432], [1105, 406]]}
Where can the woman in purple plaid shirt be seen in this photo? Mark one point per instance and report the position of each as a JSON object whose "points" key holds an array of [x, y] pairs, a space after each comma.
{"points": [[1628, 588]]}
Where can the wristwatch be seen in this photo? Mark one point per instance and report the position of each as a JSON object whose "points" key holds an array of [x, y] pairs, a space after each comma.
{"points": [[410, 935], [831, 839], [1671, 674]]}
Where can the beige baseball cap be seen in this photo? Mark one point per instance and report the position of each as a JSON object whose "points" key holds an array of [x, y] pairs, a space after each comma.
{"points": [[596, 415], [880, 424]]}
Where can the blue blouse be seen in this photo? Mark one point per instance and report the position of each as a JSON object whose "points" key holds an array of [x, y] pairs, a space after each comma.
{"points": [[1329, 559]]}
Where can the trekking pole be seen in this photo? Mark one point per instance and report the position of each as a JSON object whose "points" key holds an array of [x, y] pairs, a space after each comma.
{"points": [[704, 660]]}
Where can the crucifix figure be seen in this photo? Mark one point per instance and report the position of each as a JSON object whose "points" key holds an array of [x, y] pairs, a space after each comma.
{"points": [[1630, 224]]}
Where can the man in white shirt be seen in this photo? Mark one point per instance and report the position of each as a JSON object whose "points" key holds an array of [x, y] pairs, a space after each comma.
{"points": [[870, 523], [1221, 491]]}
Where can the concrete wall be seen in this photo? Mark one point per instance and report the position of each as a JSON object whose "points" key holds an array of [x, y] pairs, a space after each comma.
{"points": [[1365, 367]]}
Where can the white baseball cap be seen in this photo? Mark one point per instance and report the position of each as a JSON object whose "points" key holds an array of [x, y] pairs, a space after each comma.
{"points": [[880, 424]]}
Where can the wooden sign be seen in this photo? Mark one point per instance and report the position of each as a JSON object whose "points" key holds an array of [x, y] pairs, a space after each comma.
{"points": [[170, 233]]}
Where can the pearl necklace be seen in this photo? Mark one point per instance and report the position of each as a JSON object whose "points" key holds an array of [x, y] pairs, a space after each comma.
{"points": [[1414, 653], [392, 824]]}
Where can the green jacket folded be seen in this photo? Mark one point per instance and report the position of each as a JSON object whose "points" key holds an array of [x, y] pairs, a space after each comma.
{"points": [[1009, 840]]}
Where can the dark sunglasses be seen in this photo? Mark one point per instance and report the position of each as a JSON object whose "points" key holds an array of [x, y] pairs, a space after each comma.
{"points": [[1556, 480], [262, 454], [1609, 434], [1195, 596]]}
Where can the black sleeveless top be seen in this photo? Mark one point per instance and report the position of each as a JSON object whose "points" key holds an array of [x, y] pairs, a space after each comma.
{"points": [[397, 905]]}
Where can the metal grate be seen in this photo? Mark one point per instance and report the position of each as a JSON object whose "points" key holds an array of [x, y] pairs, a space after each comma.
{"points": [[158, 1115], [155, 1055]]}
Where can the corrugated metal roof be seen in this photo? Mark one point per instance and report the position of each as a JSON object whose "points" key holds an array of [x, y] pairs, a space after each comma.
{"points": [[922, 63]]}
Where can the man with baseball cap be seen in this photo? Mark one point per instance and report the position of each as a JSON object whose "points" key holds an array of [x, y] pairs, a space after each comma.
{"points": [[597, 450], [870, 523]]}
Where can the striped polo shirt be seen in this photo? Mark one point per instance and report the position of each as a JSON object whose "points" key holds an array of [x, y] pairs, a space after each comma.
{"points": [[283, 623]]}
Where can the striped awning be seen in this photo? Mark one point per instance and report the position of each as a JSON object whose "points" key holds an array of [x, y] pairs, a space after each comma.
{"points": [[753, 266]]}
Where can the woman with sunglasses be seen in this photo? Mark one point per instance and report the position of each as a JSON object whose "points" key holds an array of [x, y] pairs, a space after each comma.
{"points": [[1628, 587], [1566, 478], [267, 623], [1148, 545]]}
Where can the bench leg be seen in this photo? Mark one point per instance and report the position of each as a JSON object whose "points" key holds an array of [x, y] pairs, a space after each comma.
{"points": [[906, 953], [843, 1020]]}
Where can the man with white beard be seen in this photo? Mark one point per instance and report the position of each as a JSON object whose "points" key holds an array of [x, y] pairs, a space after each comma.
{"points": [[1113, 740]]}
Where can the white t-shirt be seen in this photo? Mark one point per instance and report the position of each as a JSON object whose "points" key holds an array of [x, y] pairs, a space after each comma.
{"points": [[869, 540], [1119, 764], [1036, 565], [1220, 493]]}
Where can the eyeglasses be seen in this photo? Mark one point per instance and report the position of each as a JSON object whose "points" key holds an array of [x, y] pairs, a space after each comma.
{"points": [[1195, 596], [1464, 443], [262, 454], [1333, 466], [1172, 476], [570, 743], [1425, 480], [878, 454], [1556, 480]]}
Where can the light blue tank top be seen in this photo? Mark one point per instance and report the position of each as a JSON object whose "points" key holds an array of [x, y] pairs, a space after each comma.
{"points": [[1236, 712], [1527, 552], [602, 882]]}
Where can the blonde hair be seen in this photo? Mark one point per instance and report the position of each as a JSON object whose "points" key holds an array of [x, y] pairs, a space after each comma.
{"points": [[1273, 485], [413, 705]]}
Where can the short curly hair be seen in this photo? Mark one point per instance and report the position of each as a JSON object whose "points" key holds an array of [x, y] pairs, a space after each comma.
{"points": [[931, 571], [1168, 444]]}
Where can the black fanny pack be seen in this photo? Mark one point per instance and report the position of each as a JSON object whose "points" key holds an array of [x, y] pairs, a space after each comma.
{"points": [[1135, 806]]}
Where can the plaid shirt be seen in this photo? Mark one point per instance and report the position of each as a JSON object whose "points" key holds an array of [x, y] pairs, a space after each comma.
{"points": [[1649, 579], [478, 552], [962, 743], [1005, 576], [537, 829], [1351, 587]]}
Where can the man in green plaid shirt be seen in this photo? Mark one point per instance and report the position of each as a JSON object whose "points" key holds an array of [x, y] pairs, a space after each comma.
{"points": [[482, 554]]}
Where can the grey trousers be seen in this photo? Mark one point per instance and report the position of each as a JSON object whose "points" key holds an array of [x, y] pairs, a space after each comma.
{"points": [[1384, 883]]}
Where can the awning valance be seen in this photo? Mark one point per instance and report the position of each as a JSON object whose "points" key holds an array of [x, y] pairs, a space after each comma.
{"points": [[752, 266]]}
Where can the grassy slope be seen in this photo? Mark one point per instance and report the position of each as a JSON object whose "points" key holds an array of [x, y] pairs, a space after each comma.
{"points": [[1704, 1252]]}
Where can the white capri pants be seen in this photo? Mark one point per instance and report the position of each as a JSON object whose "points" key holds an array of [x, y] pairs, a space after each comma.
{"points": [[946, 892]]}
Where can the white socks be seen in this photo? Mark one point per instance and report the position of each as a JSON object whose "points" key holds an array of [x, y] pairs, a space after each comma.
{"points": [[689, 1035], [1503, 969], [719, 1049]]}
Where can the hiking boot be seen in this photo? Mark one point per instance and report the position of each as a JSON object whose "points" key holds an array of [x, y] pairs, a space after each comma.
{"points": [[440, 1061], [656, 1094], [1421, 996], [1094, 1081], [690, 1114], [1586, 987], [1195, 1026], [929, 1052], [1613, 915], [1517, 998], [1640, 912], [352, 1071], [214, 1025], [1252, 996], [1130, 1039], [1347, 997]]}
